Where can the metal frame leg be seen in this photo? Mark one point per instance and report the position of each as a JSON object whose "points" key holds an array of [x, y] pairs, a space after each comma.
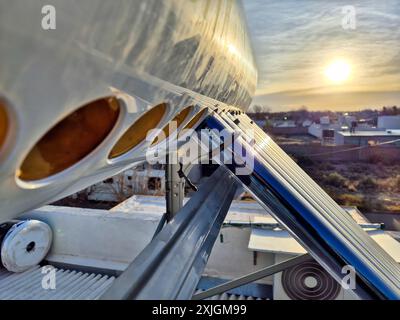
{"points": [[170, 267], [175, 189]]}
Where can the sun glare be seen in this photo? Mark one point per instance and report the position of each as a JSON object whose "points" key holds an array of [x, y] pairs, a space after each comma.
{"points": [[338, 71]]}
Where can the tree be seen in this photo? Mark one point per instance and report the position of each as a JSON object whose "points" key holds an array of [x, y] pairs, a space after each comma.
{"points": [[257, 108]]}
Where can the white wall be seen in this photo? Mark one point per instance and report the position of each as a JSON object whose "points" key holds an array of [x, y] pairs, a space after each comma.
{"points": [[232, 259], [112, 239], [389, 122], [96, 238]]}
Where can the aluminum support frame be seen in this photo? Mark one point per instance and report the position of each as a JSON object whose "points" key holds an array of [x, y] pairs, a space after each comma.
{"points": [[171, 265]]}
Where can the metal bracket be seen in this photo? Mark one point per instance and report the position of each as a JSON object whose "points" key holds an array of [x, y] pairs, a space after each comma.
{"points": [[170, 267], [175, 189]]}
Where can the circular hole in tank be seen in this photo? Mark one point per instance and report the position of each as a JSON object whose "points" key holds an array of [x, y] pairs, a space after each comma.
{"points": [[192, 123], [179, 119], [3, 123], [70, 140], [138, 131]]}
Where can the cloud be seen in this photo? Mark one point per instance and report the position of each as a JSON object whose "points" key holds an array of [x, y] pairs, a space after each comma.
{"points": [[343, 101], [294, 40]]}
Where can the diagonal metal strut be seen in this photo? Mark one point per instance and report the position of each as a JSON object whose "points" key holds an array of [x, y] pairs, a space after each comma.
{"points": [[251, 277], [171, 265]]}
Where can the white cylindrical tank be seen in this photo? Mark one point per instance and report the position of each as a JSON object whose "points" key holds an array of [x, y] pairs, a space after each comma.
{"points": [[25, 245]]}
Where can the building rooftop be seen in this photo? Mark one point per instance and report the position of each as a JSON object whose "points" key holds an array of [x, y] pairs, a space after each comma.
{"points": [[371, 133], [239, 211]]}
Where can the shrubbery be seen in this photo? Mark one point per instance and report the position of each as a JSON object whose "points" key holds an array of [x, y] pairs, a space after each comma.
{"points": [[347, 199], [335, 179], [375, 159], [369, 205], [304, 161], [367, 183]]}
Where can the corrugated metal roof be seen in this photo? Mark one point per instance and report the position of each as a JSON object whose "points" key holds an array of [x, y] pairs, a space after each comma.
{"points": [[70, 285], [228, 296]]}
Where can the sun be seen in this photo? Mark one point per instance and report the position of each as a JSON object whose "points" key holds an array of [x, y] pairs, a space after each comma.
{"points": [[338, 71]]}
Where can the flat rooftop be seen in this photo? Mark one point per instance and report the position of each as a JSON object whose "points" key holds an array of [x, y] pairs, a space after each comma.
{"points": [[372, 133]]}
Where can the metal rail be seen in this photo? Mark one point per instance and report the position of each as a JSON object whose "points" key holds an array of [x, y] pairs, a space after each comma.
{"points": [[170, 267]]}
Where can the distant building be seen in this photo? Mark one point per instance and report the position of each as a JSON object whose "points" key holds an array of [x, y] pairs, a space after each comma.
{"points": [[346, 120], [320, 130], [328, 136], [389, 122], [284, 124], [144, 179], [345, 131], [147, 181], [365, 138], [324, 120], [260, 123]]}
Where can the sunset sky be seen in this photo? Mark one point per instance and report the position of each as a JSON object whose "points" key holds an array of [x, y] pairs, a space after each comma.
{"points": [[306, 57]]}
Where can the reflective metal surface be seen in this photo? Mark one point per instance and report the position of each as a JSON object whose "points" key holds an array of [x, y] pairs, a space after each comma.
{"points": [[143, 53], [171, 266]]}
